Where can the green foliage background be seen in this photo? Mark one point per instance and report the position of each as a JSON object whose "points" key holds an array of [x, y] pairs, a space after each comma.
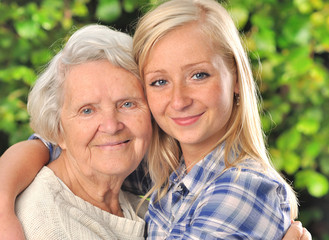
{"points": [[289, 37]]}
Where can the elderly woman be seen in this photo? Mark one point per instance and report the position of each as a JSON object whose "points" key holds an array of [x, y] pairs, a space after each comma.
{"points": [[90, 102]]}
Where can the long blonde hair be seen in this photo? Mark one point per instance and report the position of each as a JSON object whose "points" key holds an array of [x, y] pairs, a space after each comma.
{"points": [[244, 136]]}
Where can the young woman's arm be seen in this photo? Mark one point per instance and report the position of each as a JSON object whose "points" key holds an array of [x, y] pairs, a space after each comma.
{"points": [[18, 167]]}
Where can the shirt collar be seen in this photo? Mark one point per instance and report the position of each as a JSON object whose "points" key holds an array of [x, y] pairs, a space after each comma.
{"points": [[203, 172]]}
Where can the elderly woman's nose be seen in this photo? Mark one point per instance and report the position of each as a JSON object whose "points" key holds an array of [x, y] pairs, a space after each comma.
{"points": [[110, 123]]}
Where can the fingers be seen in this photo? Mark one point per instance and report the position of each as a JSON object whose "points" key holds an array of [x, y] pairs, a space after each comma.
{"points": [[295, 232], [306, 235]]}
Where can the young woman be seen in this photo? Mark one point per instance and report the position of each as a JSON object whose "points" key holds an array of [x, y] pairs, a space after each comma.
{"points": [[211, 172]]}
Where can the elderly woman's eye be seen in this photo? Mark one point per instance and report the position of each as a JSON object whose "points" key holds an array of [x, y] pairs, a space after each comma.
{"points": [[128, 104], [87, 111]]}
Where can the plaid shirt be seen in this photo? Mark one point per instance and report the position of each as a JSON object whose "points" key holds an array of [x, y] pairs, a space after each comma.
{"points": [[208, 203]]}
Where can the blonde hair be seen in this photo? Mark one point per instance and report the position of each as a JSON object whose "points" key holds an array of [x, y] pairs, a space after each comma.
{"points": [[90, 43], [244, 137]]}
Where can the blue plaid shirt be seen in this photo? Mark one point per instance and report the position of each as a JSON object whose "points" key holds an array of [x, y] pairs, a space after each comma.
{"points": [[208, 203]]}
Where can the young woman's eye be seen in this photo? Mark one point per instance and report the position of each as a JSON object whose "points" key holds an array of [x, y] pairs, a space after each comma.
{"points": [[200, 75], [158, 83]]}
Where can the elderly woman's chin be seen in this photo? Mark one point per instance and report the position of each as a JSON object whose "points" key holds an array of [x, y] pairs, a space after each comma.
{"points": [[117, 160]]}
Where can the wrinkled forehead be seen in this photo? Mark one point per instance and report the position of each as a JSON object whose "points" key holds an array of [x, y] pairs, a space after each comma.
{"points": [[101, 77]]}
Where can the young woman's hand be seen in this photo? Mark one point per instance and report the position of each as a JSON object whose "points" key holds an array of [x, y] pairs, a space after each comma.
{"points": [[297, 232]]}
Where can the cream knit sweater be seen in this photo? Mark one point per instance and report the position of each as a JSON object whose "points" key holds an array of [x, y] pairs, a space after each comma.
{"points": [[48, 210]]}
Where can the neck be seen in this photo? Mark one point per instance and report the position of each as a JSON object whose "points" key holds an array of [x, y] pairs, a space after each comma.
{"points": [[101, 191], [193, 154], [191, 157]]}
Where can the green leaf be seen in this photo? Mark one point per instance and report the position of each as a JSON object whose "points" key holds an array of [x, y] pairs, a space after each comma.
{"points": [[316, 184], [313, 149], [108, 10], [40, 57], [324, 165], [308, 126], [6, 41], [304, 6], [319, 187], [27, 29], [51, 13], [291, 162], [79, 9], [265, 41], [129, 5], [262, 21], [289, 140], [309, 122], [298, 61], [296, 31], [5, 12]]}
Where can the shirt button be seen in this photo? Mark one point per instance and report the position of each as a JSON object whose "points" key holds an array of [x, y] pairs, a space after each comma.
{"points": [[179, 188]]}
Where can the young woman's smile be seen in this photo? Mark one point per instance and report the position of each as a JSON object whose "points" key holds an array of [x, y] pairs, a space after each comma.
{"points": [[185, 121]]}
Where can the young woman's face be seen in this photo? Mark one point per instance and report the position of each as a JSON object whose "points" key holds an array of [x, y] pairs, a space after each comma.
{"points": [[189, 88]]}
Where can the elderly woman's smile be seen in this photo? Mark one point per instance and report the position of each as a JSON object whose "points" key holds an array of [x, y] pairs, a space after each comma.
{"points": [[113, 144]]}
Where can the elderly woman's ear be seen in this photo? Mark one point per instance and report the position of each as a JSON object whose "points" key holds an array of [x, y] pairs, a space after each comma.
{"points": [[61, 139]]}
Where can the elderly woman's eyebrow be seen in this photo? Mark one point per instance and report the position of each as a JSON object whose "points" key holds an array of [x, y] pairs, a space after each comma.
{"points": [[131, 98]]}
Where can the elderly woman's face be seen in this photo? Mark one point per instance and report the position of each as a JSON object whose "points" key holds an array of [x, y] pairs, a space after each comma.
{"points": [[105, 119]]}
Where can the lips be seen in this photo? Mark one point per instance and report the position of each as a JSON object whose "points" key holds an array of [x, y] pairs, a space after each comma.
{"points": [[186, 121], [113, 144]]}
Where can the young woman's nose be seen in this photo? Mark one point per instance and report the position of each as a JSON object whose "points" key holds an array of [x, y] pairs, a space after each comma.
{"points": [[180, 98], [111, 123]]}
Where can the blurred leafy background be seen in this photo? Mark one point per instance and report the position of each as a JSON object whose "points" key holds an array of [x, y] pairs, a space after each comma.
{"points": [[288, 42]]}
